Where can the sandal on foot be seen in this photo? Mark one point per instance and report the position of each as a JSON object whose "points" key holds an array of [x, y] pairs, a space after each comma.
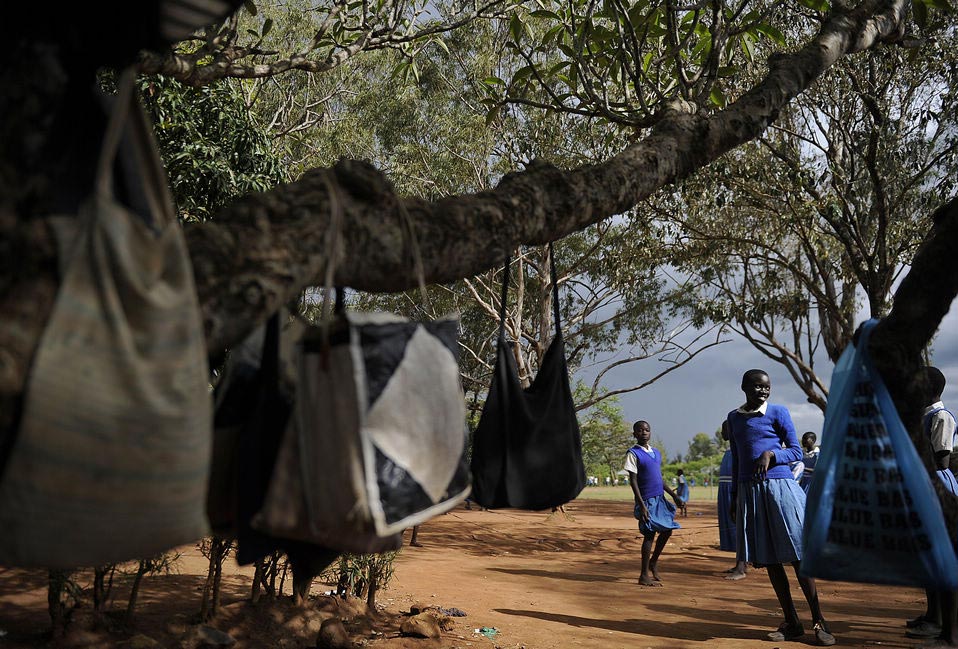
{"points": [[787, 631], [924, 629], [822, 636]]}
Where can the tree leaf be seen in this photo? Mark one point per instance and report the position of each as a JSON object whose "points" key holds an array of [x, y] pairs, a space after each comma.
{"points": [[771, 32], [545, 13], [522, 74], [717, 97], [920, 14], [267, 26], [748, 47], [250, 6], [515, 28], [493, 81]]}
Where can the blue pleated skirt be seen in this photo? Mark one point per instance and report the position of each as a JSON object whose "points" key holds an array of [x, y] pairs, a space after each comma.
{"points": [[948, 479], [661, 516], [725, 522], [770, 517]]}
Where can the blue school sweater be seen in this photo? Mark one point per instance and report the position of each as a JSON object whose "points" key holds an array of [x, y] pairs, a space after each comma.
{"points": [[649, 473], [753, 433]]}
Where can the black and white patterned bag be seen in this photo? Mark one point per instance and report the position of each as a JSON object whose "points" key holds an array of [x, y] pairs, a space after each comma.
{"points": [[377, 440]]}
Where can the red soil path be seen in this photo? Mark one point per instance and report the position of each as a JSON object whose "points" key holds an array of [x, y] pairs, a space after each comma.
{"points": [[542, 581]]}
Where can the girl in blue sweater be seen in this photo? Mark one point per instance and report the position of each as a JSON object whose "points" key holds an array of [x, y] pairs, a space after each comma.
{"points": [[768, 505], [655, 514]]}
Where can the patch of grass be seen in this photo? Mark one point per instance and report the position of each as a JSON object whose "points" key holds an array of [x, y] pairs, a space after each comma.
{"points": [[624, 492]]}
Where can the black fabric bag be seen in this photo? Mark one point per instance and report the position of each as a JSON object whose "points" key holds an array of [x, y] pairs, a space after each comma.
{"points": [[252, 411], [527, 452]]}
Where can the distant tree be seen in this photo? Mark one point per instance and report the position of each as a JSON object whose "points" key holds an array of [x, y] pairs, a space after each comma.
{"points": [[606, 435], [701, 446], [164, 563]]}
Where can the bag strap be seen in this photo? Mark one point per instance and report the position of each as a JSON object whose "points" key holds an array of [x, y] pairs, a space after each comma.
{"points": [[555, 290], [127, 118], [555, 294], [269, 363]]}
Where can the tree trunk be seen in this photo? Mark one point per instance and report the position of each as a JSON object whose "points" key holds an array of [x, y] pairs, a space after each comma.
{"points": [[209, 607], [372, 583], [135, 591], [257, 581], [102, 586], [56, 581]]}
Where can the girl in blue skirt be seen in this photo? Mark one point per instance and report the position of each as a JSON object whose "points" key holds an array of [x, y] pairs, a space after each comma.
{"points": [[768, 505], [726, 523], [683, 492], [655, 514]]}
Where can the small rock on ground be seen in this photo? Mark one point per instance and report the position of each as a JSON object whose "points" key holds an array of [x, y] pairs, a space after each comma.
{"points": [[424, 625], [332, 635]]}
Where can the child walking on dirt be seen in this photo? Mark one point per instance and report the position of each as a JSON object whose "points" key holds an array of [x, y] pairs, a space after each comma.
{"points": [[683, 491], [655, 514], [768, 505]]}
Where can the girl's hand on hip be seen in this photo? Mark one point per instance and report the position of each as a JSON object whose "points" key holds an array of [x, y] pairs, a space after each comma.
{"points": [[762, 463]]}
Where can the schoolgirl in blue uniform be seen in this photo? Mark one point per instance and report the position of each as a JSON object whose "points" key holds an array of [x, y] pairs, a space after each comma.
{"points": [[768, 504], [939, 619], [810, 454], [726, 523], [655, 514], [682, 489]]}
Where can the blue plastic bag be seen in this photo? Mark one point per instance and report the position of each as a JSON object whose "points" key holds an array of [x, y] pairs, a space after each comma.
{"points": [[872, 515]]}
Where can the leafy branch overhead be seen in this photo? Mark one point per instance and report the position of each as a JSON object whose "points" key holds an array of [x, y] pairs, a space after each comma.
{"points": [[625, 62], [247, 46]]}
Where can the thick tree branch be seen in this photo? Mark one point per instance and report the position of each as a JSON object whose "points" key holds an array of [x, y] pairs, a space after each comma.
{"points": [[265, 248]]}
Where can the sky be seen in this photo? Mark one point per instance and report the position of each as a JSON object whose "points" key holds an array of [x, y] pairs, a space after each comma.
{"points": [[696, 398]]}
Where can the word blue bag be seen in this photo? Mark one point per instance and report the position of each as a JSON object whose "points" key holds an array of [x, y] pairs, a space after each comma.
{"points": [[872, 514]]}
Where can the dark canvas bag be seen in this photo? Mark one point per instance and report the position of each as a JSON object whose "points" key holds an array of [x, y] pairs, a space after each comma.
{"points": [[377, 439], [111, 459], [527, 451], [254, 404]]}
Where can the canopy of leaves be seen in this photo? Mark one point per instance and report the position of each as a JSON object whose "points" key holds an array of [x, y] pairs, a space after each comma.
{"points": [[213, 149]]}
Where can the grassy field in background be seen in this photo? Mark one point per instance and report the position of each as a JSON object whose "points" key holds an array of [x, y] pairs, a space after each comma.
{"points": [[625, 493]]}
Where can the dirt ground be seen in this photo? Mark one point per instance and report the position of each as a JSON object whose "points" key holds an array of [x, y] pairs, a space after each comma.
{"points": [[540, 580]]}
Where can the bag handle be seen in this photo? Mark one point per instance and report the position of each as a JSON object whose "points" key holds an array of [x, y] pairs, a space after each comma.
{"points": [[335, 238], [555, 294], [127, 117]]}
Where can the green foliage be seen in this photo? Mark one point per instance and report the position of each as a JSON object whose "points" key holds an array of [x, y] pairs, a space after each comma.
{"points": [[621, 62], [606, 436], [701, 446], [700, 469], [358, 575], [788, 239], [213, 150]]}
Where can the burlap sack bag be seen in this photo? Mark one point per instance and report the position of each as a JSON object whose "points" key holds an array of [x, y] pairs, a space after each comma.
{"points": [[112, 456]]}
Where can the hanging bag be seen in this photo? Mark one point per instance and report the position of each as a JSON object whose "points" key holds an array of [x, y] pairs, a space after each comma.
{"points": [[377, 440], [111, 459], [527, 451], [872, 513]]}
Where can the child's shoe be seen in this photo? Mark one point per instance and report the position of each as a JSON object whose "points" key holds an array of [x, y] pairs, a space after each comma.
{"points": [[822, 636], [788, 631]]}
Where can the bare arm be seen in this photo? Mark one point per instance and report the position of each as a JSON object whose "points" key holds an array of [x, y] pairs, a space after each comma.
{"points": [[637, 494], [669, 490]]}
